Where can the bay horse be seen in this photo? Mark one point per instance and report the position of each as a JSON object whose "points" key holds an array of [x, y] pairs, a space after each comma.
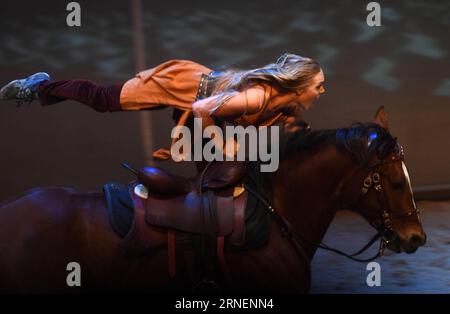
{"points": [[360, 168]]}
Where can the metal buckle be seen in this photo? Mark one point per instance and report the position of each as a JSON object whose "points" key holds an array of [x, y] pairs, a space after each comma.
{"points": [[376, 177], [383, 246], [387, 222], [366, 185]]}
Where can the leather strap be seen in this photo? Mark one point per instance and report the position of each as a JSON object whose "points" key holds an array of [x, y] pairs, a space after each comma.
{"points": [[206, 85], [210, 233], [221, 257], [237, 237], [171, 252]]}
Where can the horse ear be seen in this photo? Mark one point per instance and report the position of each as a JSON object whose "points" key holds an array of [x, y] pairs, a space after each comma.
{"points": [[381, 118]]}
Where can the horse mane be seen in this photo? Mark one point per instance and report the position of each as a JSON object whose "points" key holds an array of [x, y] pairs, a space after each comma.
{"points": [[352, 141]]}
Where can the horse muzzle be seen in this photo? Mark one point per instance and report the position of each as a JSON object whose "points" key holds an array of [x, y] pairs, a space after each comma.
{"points": [[409, 245]]}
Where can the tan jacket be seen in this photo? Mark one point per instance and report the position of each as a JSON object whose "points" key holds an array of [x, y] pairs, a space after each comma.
{"points": [[175, 83]]}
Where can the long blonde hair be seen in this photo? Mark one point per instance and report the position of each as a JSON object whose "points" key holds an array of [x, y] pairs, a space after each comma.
{"points": [[289, 73]]}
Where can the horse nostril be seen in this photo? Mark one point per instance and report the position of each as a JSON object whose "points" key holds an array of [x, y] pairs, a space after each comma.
{"points": [[418, 240]]}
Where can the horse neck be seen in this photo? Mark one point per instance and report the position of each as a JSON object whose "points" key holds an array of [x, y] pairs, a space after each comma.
{"points": [[307, 192]]}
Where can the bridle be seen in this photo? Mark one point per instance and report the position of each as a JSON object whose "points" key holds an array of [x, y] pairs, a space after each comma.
{"points": [[386, 232], [384, 223]]}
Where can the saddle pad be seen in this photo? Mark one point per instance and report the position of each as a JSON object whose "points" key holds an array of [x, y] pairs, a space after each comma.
{"points": [[120, 207]]}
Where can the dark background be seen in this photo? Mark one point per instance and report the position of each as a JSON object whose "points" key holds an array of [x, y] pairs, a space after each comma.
{"points": [[403, 65]]}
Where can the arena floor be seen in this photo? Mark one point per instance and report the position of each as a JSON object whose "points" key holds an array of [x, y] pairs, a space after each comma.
{"points": [[425, 271]]}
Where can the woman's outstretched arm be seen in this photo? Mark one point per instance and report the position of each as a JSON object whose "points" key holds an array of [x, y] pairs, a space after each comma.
{"points": [[233, 106], [248, 101]]}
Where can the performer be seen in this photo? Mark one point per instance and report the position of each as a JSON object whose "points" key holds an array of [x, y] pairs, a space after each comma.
{"points": [[275, 93]]}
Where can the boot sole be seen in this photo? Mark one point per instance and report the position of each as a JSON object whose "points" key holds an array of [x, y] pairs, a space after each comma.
{"points": [[9, 91]]}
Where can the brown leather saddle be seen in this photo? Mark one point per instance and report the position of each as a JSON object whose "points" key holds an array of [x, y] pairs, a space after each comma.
{"points": [[202, 206]]}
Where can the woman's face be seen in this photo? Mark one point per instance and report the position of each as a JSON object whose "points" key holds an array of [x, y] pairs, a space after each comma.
{"points": [[307, 96]]}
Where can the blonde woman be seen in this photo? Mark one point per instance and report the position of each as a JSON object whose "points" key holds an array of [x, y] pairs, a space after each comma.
{"points": [[263, 96]]}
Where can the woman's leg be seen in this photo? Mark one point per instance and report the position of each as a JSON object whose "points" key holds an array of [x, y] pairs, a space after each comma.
{"points": [[100, 98]]}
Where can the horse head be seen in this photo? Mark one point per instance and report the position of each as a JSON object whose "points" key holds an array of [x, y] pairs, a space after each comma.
{"points": [[383, 188], [360, 168]]}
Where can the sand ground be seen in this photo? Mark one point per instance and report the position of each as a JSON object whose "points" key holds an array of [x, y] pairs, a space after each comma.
{"points": [[425, 271]]}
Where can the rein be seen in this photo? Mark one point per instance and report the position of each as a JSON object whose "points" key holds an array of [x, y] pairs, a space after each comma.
{"points": [[373, 179], [289, 232]]}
